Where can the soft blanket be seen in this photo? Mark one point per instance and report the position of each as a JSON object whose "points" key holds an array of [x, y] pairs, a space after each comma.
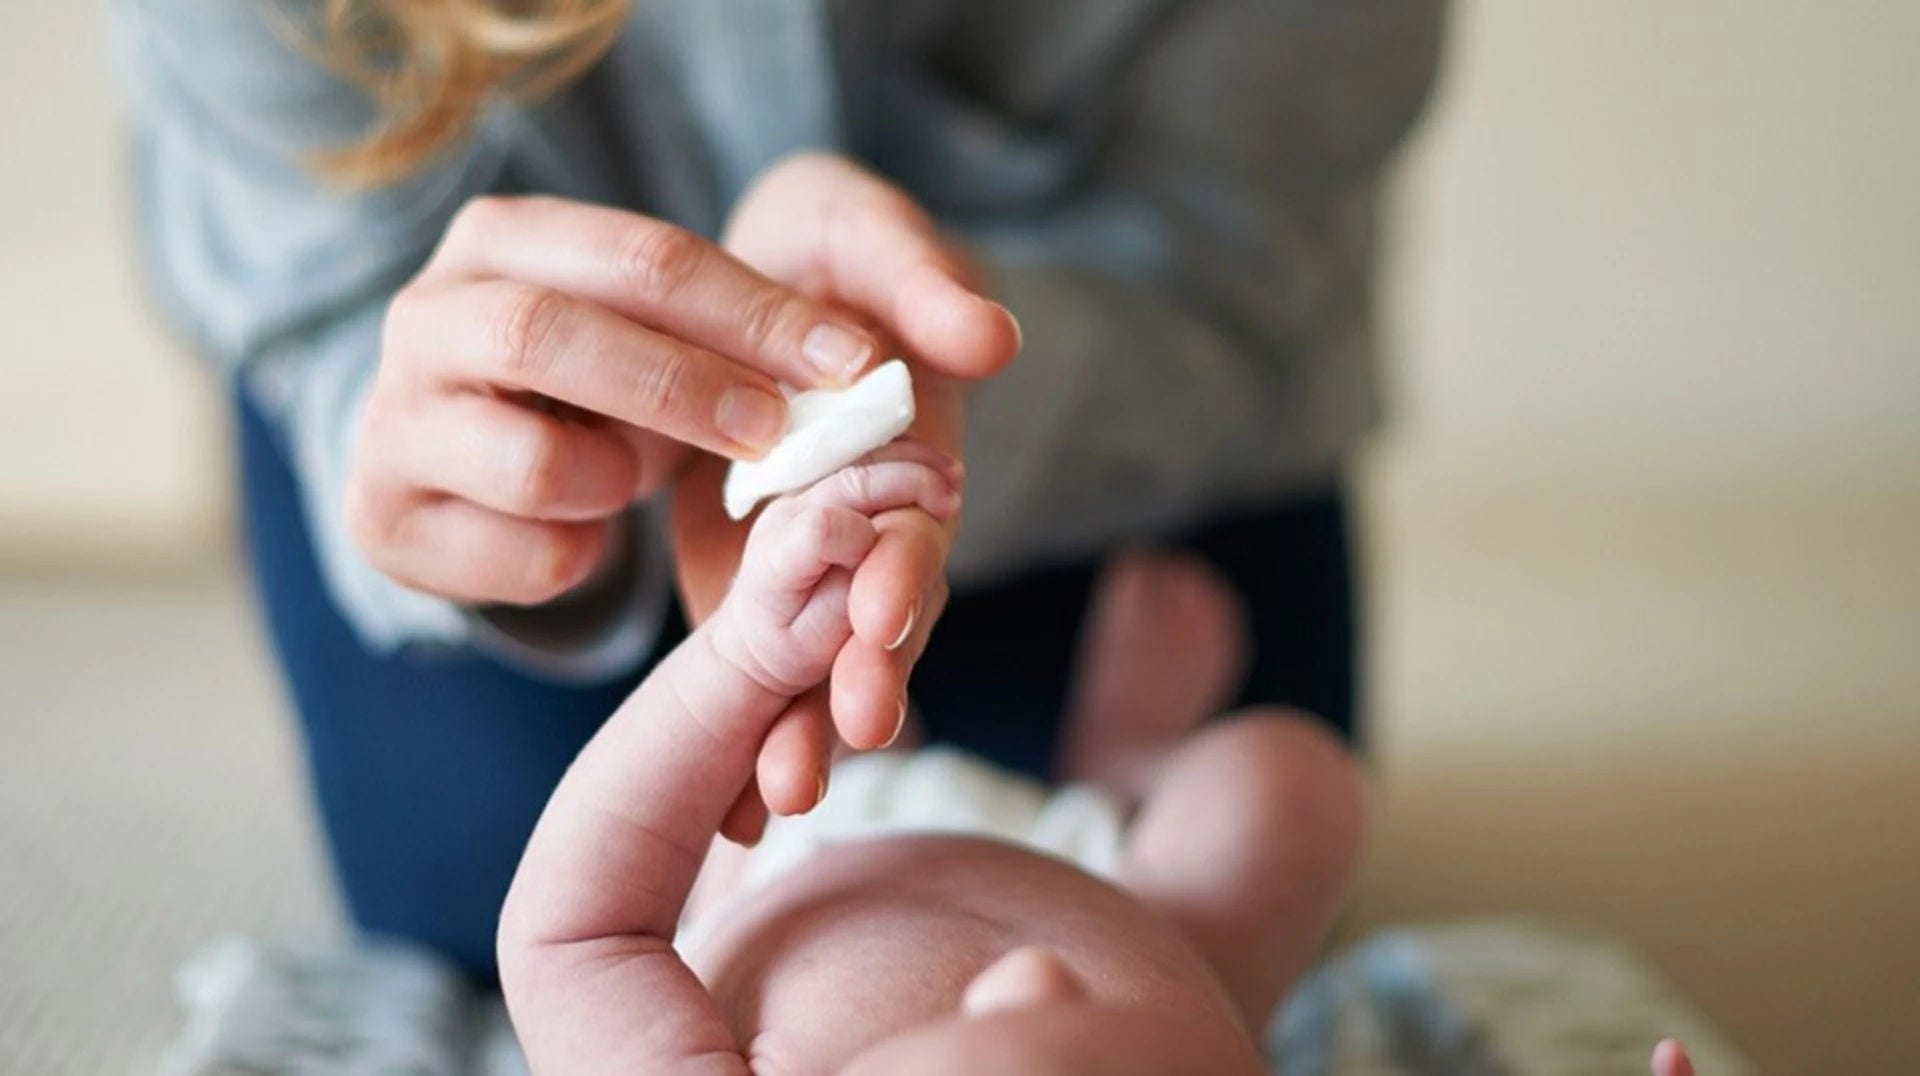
{"points": [[1500, 997]]}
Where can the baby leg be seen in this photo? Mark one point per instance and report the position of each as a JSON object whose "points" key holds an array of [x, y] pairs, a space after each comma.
{"points": [[1249, 840], [1164, 648]]}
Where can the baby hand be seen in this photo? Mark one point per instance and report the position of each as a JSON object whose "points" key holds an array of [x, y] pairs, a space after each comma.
{"points": [[784, 620]]}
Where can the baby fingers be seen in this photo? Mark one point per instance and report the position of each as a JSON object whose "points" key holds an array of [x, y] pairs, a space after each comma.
{"points": [[797, 542], [901, 475]]}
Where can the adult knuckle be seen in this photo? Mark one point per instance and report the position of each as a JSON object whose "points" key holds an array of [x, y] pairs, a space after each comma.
{"points": [[539, 470], [661, 259], [763, 316], [529, 319], [661, 383]]}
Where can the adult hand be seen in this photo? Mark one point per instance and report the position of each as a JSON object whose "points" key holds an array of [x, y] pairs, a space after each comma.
{"points": [[553, 362], [841, 234]]}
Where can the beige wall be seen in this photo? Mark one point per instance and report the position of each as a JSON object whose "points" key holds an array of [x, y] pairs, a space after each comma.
{"points": [[108, 440], [1656, 244], [1644, 592], [1646, 573], [1666, 243]]}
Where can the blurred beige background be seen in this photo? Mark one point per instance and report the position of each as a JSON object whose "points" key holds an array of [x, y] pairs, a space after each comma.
{"points": [[1645, 538]]}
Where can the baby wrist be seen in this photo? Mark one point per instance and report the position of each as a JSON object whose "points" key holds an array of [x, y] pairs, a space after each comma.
{"points": [[757, 685]]}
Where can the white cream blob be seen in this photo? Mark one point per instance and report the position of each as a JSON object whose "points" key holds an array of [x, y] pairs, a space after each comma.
{"points": [[826, 430]]}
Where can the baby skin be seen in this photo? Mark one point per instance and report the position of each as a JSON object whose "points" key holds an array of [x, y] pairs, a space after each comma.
{"points": [[922, 953]]}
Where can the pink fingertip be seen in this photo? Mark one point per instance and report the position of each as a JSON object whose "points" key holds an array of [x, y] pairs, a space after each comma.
{"points": [[945, 506], [1670, 1059]]}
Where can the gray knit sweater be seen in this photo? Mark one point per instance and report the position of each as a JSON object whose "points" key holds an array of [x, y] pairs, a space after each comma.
{"points": [[1177, 198]]}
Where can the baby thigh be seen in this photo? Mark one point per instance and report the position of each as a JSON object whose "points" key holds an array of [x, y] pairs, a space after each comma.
{"points": [[1249, 840]]}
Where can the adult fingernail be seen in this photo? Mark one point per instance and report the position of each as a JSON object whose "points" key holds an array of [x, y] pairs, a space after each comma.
{"points": [[899, 723], [906, 629], [752, 417], [837, 352]]}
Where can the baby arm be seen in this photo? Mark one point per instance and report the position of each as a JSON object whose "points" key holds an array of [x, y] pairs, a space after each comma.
{"points": [[586, 935]]}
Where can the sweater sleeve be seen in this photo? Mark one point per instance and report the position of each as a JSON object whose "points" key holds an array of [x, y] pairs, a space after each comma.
{"points": [[284, 282], [1197, 306]]}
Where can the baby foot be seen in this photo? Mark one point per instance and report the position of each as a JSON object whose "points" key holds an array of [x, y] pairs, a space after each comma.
{"points": [[1165, 646]]}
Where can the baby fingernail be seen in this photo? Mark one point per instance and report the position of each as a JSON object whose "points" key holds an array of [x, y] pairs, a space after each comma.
{"points": [[898, 724], [820, 790], [836, 351], [1019, 335], [906, 629], [752, 417]]}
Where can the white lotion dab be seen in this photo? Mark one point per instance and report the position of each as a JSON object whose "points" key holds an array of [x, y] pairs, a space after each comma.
{"points": [[826, 430]]}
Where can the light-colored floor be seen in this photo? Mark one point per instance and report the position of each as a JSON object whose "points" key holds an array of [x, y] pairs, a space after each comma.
{"points": [[1693, 720], [1694, 723], [150, 800]]}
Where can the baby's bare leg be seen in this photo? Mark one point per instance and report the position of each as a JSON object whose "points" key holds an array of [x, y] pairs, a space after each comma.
{"points": [[1249, 840], [1164, 648]]}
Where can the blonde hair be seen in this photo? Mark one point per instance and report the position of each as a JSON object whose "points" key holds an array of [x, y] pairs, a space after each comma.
{"points": [[432, 66]]}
